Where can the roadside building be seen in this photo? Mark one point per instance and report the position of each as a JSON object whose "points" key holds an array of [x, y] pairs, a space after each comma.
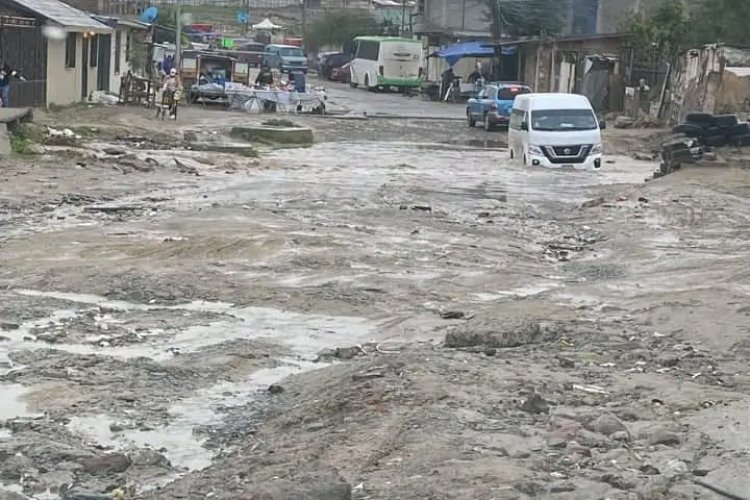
{"points": [[58, 71], [593, 65], [116, 51]]}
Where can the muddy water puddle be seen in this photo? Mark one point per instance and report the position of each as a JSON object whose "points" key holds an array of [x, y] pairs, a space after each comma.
{"points": [[304, 335], [184, 446]]}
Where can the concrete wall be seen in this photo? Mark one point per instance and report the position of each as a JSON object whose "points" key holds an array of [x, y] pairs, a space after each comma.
{"points": [[63, 84], [93, 73], [114, 76]]}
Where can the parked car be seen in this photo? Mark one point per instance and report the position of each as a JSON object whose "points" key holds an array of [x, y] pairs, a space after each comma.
{"points": [[342, 73], [320, 59], [285, 58], [555, 131], [332, 62], [493, 104]]}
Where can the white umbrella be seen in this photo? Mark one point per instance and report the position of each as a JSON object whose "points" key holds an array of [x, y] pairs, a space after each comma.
{"points": [[266, 24]]}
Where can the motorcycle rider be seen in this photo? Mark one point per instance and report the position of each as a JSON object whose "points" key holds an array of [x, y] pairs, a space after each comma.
{"points": [[172, 84]]}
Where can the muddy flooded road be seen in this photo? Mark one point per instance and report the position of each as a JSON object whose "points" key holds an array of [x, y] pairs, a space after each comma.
{"points": [[399, 314]]}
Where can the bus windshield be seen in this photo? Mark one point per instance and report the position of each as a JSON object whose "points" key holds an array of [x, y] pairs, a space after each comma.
{"points": [[563, 120]]}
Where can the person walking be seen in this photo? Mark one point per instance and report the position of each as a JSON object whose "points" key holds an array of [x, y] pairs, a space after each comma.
{"points": [[5, 75]]}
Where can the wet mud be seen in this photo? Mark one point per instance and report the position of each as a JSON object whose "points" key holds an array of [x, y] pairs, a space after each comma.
{"points": [[398, 311]]}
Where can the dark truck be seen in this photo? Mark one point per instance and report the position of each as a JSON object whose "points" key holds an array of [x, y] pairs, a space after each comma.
{"points": [[250, 53]]}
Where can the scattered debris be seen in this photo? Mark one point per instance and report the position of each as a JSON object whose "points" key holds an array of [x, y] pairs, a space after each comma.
{"points": [[535, 404], [275, 389], [593, 203], [455, 315], [371, 373], [591, 389]]}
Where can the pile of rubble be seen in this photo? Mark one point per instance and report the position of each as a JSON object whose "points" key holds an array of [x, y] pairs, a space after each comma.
{"points": [[715, 130], [697, 138]]}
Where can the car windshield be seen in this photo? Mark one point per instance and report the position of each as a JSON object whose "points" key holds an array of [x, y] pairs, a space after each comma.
{"points": [[291, 52], [561, 120], [510, 93], [336, 60]]}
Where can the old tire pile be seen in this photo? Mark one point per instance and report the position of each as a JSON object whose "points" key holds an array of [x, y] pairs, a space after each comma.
{"points": [[715, 130]]}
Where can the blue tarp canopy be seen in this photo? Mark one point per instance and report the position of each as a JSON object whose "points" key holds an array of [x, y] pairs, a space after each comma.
{"points": [[453, 53]]}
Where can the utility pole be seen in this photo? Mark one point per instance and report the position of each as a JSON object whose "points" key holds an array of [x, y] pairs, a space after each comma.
{"points": [[246, 10], [178, 36], [303, 5], [403, 17], [498, 39]]}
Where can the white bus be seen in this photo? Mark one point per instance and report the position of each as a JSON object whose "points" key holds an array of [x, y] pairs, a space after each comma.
{"points": [[381, 62]]}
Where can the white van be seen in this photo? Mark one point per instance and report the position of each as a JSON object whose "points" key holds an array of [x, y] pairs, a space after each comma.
{"points": [[381, 61], [555, 131]]}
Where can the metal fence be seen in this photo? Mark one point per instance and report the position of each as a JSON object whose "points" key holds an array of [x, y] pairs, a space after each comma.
{"points": [[28, 93]]}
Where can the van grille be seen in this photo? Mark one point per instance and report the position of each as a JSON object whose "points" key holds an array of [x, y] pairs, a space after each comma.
{"points": [[567, 150], [567, 154]]}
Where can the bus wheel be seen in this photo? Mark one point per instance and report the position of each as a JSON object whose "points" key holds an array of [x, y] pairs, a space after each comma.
{"points": [[367, 81]]}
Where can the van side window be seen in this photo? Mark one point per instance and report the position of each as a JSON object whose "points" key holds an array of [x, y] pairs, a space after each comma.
{"points": [[368, 50], [516, 118]]}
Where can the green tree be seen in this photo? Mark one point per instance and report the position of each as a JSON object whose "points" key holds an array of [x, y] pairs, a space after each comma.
{"points": [[724, 21], [658, 33], [339, 27], [523, 17]]}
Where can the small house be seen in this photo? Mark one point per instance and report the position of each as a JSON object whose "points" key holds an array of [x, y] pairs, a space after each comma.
{"points": [[60, 69], [116, 52]]}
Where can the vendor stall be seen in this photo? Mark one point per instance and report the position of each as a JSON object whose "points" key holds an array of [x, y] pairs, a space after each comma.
{"points": [[212, 67], [464, 58], [249, 99]]}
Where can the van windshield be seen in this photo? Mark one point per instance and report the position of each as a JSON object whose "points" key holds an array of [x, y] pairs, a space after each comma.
{"points": [[291, 52], [562, 120]]}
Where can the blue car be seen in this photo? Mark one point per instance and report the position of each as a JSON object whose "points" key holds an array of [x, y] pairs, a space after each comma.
{"points": [[493, 104]]}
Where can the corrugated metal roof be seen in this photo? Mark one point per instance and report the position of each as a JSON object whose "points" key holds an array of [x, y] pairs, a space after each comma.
{"points": [[63, 14], [114, 22]]}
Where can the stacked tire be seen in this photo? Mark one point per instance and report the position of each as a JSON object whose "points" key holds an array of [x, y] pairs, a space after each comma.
{"points": [[715, 130]]}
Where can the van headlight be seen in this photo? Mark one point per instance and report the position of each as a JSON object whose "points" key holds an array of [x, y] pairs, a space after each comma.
{"points": [[597, 149], [536, 150]]}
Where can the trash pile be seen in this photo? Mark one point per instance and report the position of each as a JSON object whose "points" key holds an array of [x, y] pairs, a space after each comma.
{"points": [[715, 130]]}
